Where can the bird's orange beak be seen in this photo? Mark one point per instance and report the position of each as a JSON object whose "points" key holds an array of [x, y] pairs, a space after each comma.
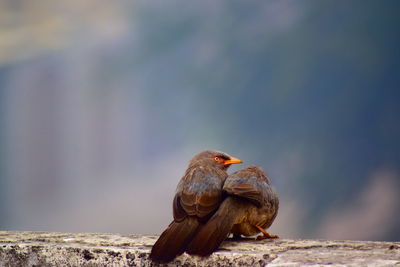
{"points": [[232, 160]]}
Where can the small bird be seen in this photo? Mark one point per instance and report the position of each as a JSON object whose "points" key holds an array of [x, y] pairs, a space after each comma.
{"points": [[198, 196], [250, 207]]}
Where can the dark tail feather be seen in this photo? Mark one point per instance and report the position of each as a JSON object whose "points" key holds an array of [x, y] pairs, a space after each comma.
{"points": [[174, 240], [216, 230]]}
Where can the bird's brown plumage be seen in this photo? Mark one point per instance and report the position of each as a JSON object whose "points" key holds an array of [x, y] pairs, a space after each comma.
{"points": [[250, 207], [198, 195]]}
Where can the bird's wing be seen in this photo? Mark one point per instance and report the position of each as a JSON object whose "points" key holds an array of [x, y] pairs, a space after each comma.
{"points": [[178, 211], [199, 193], [251, 188]]}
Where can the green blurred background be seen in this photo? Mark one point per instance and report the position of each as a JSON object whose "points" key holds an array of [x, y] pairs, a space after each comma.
{"points": [[103, 103]]}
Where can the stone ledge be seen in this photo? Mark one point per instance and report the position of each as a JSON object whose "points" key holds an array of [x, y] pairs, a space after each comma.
{"points": [[65, 249]]}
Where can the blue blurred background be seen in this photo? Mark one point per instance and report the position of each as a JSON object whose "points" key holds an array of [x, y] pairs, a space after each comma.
{"points": [[103, 103]]}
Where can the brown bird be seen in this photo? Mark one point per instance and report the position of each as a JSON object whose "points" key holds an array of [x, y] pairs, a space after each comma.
{"points": [[250, 207], [198, 196]]}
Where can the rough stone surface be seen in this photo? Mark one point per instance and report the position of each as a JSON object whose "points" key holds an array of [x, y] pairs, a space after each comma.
{"points": [[64, 249]]}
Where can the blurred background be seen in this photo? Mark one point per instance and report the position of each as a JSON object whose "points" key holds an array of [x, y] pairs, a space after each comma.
{"points": [[103, 103]]}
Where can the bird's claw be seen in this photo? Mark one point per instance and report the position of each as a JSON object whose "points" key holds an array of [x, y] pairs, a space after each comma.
{"points": [[269, 236]]}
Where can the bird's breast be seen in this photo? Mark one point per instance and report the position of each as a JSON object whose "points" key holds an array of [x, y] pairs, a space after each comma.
{"points": [[261, 216]]}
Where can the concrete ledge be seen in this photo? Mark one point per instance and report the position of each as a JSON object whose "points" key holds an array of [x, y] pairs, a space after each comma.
{"points": [[64, 249]]}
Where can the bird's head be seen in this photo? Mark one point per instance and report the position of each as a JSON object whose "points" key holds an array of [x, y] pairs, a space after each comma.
{"points": [[214, 158]]}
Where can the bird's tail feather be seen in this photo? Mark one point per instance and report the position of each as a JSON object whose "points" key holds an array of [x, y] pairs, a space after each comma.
{"points": [[216, 230], [174, 240]]}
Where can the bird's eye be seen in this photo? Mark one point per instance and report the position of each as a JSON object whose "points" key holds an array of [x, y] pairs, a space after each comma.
{"points": [[216, 159]]}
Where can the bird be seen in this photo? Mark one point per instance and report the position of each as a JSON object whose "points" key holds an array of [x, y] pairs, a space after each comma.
{"points": [[251, 205], [198, 195]]}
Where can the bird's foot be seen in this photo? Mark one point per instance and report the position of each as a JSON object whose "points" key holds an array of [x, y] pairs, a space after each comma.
{"points": [[269, 236], [265, 234]]}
